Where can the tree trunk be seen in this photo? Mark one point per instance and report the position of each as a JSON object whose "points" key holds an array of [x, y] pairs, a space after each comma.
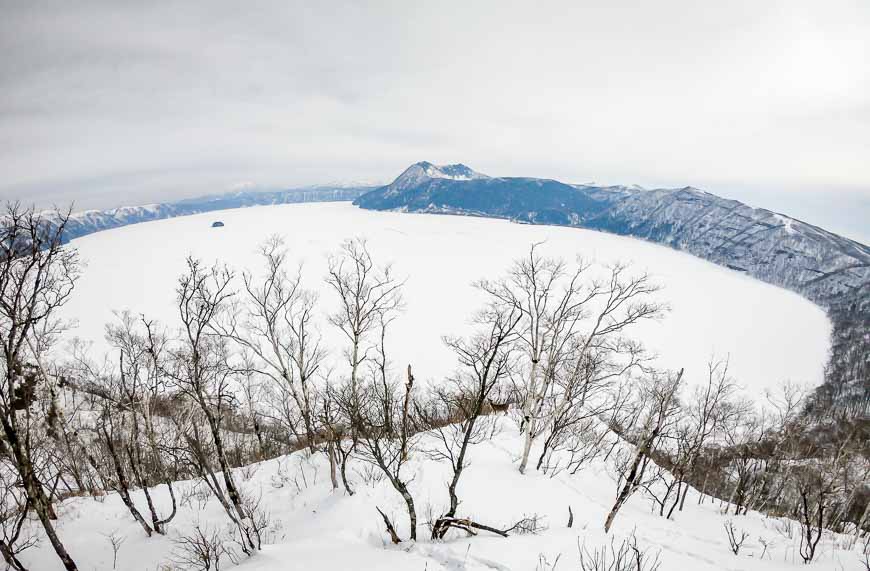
{"points": [[123, 487], [344, 457], [11, 561], [35, 492], [232, 491], [634, 474], [400, 487], [41, 506], [330, 453], [529, 420]]}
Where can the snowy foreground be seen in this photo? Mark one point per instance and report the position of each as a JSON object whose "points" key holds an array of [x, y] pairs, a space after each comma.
{"points": [[314, 527], [770, 335]]}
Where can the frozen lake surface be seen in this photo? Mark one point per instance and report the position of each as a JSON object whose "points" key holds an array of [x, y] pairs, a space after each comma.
{"points": [[770, 334]]}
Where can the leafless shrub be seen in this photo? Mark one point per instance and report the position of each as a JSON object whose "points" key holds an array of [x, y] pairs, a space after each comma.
{"points": [[624, 556], [249, 471], [529, 525], [735, 538], [281, 477], [202, 549], [306, 475], [544, 563], [370, 475], [259, 518], [784, 527], [116, 541], [202, 495], [186, 495], [378, 412], [707, 412], [430, 515]]}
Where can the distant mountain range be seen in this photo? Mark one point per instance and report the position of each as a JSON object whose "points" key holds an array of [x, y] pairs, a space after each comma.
{"points": [[90, 221], [769, 246]]}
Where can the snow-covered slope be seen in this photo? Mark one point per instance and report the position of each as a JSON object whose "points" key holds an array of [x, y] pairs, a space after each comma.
{"points": [[419, 173], [313, 527]]}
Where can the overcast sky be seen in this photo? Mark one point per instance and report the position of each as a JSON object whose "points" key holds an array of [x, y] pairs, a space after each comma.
{"points": [[123, 103]]}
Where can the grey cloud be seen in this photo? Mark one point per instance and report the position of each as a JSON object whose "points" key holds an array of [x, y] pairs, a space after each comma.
{"points": [[172, 98]]}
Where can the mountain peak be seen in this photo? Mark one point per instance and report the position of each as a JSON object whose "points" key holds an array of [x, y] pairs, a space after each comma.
{"points": [[423, 171]]}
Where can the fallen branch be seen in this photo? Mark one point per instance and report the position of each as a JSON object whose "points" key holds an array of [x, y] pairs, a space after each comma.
{"points": [[394, 537], [467, 525]]}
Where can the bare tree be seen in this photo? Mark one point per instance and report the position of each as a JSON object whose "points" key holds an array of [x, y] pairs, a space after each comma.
{"points": [[140, 384], [201, 369], [366, 293], [555, 302], [377, 410], [455, 411], [817, 488], [368, 296], [37, 277], [337, 430], [588, 389], [660, 405], [708, 411], [276, 324]]}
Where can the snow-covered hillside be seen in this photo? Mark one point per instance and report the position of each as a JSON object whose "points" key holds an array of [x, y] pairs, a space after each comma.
{"points": [[771, 335], [314, 527]]}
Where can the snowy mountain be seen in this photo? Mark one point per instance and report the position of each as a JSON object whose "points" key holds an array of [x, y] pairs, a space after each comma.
{"points": [[90, 221], [830, 270], [457, 189], [766, 245], [769, 246]]}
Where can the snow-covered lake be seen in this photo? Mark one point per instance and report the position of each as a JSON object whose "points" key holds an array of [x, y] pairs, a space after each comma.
{"points": [[770, 334]]}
